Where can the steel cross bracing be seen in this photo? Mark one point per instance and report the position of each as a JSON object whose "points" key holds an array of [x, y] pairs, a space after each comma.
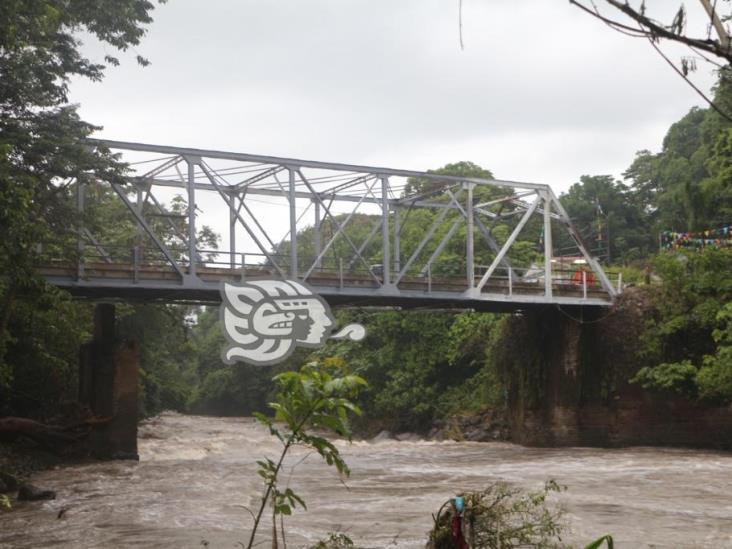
{"points": [[341, 228]]}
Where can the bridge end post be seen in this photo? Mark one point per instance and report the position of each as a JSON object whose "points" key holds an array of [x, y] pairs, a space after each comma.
{"points": [[108, 384]]}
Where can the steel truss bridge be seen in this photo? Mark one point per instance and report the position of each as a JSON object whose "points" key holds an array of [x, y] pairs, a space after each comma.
{"points": [[264, 204]]}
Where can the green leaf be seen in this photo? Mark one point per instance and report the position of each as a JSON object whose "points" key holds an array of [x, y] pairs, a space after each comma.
{"points": [[600, 541]]}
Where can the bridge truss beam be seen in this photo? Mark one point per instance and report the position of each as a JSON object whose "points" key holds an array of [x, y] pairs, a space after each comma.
{"points": [[264, 219]]}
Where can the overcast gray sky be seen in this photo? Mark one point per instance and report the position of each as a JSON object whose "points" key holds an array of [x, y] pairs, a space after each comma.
{"points": [[541, 92]]}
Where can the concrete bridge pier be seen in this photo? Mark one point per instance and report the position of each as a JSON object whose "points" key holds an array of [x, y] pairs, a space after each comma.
{"points": [[108, 382]]}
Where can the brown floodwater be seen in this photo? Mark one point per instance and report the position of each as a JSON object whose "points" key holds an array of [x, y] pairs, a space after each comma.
{"points": [[196, 473]]}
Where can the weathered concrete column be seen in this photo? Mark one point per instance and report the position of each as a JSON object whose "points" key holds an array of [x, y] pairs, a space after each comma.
{"points": [[108, 379]]}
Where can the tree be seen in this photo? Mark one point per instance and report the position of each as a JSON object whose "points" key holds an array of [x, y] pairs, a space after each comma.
{"points": [[417, 185], [42, 147], [687, 344], [687, 185], [639, 22], [643, 24], [606, 213]]}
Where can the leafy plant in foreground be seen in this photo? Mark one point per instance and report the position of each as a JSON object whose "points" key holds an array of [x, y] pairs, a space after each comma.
{"points": [[319, 396], [599, 542]]}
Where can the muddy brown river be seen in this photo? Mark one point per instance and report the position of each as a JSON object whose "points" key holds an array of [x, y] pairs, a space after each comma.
{"points": [[196, 473]]}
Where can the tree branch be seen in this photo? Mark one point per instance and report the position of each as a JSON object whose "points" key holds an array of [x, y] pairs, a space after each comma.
{"points": [[653, 30]]}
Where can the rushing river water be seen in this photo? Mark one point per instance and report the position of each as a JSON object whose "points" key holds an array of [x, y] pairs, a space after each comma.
{"points": [[195, 473]]}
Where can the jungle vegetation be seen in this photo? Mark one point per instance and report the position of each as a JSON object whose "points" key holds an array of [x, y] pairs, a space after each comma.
{"points": [[419, 365]]}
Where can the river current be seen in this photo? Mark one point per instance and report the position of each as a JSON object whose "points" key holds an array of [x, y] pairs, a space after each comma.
{"points": [[196, 473]]}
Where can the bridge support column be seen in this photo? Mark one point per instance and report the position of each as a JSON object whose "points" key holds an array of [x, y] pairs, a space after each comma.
{"points": [[108, 379]]}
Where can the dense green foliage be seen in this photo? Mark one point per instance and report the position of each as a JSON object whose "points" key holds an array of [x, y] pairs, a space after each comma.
{"points": [[41, 151], [688, 346]]}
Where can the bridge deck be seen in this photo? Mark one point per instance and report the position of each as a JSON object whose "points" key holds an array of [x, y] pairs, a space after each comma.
{"points": [[161, 283]]}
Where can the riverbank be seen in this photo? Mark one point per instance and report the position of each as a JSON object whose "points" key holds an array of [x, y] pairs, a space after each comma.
{"points": [[21, 459]]}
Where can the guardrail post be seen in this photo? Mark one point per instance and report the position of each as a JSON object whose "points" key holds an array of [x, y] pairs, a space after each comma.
{"points": [[584, 284], [429, 278], [243, 266], [340, 271], [620, 283]]}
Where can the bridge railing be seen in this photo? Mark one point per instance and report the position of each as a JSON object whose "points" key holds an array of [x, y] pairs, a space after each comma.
{"points": [[575, 282], [137, 264]]}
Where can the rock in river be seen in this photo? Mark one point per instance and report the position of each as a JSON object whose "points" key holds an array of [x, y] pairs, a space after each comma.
{"points": [[29, 492]]}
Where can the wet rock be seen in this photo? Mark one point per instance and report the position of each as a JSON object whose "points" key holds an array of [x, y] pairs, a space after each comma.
{"points": [[408, 437], [383, 435], [29, 492], [481, 427]]}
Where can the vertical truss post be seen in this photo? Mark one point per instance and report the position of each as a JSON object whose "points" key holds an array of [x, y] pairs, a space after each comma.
{"points": [[293, 223], [510, 280], [397, 230], [140, 230], [80, 241], [547, 245], [232, 232], [135, 264], [386, 259], [191, 183], [317, 241], [469, 242]]}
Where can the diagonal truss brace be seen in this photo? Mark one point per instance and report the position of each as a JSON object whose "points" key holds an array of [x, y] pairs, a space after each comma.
{"points": [[427, 237], [511, 239], [230, 204], [594, 265], [339, 230], [141, 220]]}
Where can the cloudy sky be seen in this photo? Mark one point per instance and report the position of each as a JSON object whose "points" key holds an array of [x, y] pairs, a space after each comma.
{"points": [[541, 92]]}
